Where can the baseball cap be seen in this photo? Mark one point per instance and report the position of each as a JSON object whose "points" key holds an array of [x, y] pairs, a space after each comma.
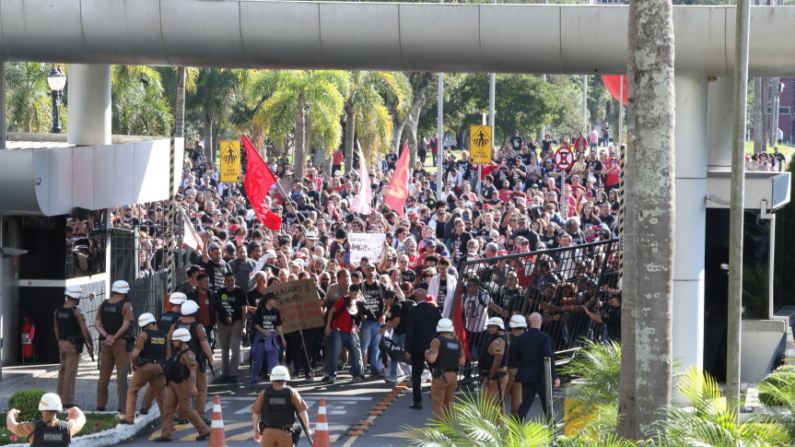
{"points": [[502, 253]]}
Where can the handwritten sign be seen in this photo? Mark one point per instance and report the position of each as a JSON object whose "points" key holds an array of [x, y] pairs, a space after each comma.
{"points": [[366, 244], [299, 305]]}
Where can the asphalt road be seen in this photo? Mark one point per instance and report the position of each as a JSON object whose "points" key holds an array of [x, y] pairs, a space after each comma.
{"points": [[347, 406]]}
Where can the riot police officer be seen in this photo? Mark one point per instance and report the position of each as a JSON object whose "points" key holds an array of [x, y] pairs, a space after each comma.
{"points": [[445, 356], [201, 348], [273, 414], [180, 372], [146, 361], [513, 389], [72, 334], [164, 325], [49, 431], [113, 322], [494, 364]]}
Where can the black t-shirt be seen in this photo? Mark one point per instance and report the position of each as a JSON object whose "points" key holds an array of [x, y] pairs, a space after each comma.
{"points": [[517, 178], [419, 174], [400, 310], [596, 165], [216, 272], [490, 193], [408, 276], [442, 295], [233, 302], [391, 160], [612, 320], [502, 174], [526, 158], [373, 298], [516, 143], [268, 319], [253, 296], [458, 242], [463, 168]]}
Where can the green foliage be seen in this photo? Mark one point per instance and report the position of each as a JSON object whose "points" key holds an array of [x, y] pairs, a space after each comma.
{"points": [[94, 423], [755, 290], [367, 101], [596, 371], [772, 388], [27, 402], [28, 98], [139, 104]]}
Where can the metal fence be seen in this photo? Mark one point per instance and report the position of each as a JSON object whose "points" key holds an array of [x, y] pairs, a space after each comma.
{"points": [[556, 283]]}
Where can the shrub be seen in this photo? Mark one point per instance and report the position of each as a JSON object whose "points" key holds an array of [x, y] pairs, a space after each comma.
{"points": [[27, 402], [778, 378]]}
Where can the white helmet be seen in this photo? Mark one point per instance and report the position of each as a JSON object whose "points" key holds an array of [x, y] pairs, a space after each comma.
{"points": [[177, 298], [518, 321], [181, 334], [280, 373], [120, 287], [444, 325], [74, 292], [189, 307], [50, 402], [146, 318], [495, 321]]}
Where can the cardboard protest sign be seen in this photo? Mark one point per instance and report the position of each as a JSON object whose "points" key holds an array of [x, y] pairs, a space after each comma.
{"points": [[366, 244], [299, 305]]}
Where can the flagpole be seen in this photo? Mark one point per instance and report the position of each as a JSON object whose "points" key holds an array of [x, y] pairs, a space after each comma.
{"points": [[295, 211]]}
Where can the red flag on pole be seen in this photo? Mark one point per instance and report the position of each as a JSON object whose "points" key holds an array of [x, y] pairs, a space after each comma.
{"points": [[398, 191], [259, 180]]}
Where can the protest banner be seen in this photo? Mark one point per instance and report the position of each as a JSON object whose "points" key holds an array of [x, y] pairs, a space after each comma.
{"points": [[299, 305], [366, 244]]}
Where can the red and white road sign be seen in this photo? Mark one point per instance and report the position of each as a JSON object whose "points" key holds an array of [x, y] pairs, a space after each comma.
{"points": [[564, 158]]}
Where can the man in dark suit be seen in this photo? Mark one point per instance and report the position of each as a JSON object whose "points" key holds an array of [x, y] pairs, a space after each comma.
{"points": [[531, 349], [420, 331]]}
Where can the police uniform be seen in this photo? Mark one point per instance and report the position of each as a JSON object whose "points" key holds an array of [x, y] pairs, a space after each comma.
{"points": [[70, 321], [493, 386], [513, 389], [277, 410], [177, 372], [197, 336], [148, 369], [164, 325], [111, 315], [53, 433], [450, 355]]}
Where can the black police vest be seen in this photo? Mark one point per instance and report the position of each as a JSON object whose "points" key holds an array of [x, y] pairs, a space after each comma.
{"points": [[513, 361], [112, 316], [167, 320], [449, 351], [277, 407], [67, 323], [194, 344], [46, 436], [487, 359], [154, 350], [176, 371]]}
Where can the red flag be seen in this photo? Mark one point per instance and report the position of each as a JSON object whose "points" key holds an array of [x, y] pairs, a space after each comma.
{"points": [[259, 180], [398, 192], [459, 325]]}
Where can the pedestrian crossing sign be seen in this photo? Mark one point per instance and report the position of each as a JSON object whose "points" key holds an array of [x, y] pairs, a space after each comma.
{"points": [[230, 161], [480, 144]]}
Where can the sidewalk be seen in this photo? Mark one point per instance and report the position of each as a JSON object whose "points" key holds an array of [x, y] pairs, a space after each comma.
{"points": [[45, 377]]}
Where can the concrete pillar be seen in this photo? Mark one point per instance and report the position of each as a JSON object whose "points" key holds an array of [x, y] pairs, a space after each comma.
{"points": [[690, 220], [720, 123], [89, 105], [2, 105]]}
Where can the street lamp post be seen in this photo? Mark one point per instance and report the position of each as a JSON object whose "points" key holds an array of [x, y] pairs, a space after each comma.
{"points": [[57, 81]]}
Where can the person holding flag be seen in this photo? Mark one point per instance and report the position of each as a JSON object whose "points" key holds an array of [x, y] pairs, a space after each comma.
{"points": [[259, 180]]}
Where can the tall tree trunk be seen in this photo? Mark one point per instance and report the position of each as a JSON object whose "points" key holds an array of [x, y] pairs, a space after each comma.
{"points": [[350, 135], [413, 123], [299, 159], [208, 138], [775, 101], [759, 132], [646, 363], [179, 118]]}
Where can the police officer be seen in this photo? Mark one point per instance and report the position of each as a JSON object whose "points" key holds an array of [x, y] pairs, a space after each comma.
{"points": [[72, 333], [494, 365], [200, 347], [146, 361], [445, 356], [164, 325], [518, 325], [180, 372], [273, 414], [112, 322], [49, 431]]}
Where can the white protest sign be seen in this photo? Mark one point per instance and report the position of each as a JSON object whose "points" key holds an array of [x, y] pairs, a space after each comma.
{"points": [[366, 244]]}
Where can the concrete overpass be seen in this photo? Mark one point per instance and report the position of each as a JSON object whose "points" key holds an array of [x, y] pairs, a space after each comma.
{"points": [[92, 34]]}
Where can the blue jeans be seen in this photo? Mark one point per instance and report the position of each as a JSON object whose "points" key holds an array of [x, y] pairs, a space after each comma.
{"points": [[350, 341], [400, 339], [370, 342]]}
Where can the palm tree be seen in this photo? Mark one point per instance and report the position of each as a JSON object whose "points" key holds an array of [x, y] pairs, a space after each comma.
{"points": [[308, 104], [596, 370], [186, 81], [646, 365], [213, 97], [28, 97], [366, 115], [139, 106]]}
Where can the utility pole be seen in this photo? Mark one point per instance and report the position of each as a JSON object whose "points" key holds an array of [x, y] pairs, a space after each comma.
{"points": [[737, 211], [440, 139], [585, 102], [543, 126], [776, 90]]}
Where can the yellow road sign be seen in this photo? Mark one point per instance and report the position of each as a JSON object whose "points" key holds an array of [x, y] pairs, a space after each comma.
{"points": [[480, 144], [230, 161]]}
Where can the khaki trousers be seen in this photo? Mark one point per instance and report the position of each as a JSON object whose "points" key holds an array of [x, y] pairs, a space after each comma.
{"points": [[442, 393], [179, 394], [514, 391], [152, 374], [229, 337], [67, 373], [201, 398], [273, 437], [118, 357], [492, 390]]}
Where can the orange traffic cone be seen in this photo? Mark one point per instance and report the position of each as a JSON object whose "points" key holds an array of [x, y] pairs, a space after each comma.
{"points": [[321, 428], [217, 432]]}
